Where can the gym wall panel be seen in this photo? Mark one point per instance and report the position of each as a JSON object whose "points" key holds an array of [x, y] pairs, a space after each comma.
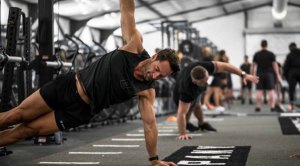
{"points": [[262, 18], [152, 41]]}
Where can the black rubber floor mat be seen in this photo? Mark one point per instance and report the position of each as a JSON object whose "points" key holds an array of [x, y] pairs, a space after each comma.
{"points": [[287, 126], [210, 155]]}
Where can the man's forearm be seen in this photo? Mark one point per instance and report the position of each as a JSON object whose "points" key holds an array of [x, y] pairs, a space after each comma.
{"points": [[230, 68], [275, 67], [151, 138], [181, 123]]}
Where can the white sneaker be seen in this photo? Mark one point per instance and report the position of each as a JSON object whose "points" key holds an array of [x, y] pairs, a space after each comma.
{"points": [[204, 107], [220, 109]]}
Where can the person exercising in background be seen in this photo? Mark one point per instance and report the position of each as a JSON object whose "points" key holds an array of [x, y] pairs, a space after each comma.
{"points": [[190, 83], [72, 99]]}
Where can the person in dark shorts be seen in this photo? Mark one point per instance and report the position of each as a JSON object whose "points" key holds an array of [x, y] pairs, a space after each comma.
{"points": [[246, 66], [291, 72], [190, 83], [265, 61], [72, 99]]}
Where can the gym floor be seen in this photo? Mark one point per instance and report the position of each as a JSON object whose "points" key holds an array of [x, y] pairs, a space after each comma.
{"points": [[240, 126]]}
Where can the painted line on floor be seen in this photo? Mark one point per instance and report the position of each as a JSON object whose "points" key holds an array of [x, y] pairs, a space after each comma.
{"points": [[160, 131], [128, 139], [95, 152], [214, 119], [69, 163], [290, 114], [160, 135], [215, 147], [167, 124], [167, 127], [118, 146]]}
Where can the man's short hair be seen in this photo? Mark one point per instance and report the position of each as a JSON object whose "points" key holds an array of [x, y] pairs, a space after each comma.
{"points": [[264, 43], [198, 73], [170, 56]]}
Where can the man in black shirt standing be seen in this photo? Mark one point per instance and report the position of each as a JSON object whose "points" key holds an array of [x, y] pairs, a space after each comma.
{"points": [[265, 62], [246, 67], [291, 72], [191, 82], [72, 99]]}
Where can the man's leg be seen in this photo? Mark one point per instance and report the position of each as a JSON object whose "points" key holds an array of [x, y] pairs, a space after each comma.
{"points": [[272, 98], [259, 94], [43, 125], [31, 108]]}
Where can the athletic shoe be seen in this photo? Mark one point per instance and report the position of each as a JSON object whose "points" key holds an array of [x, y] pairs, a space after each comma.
{"points": [[204, 107], [278, 108], [190, 127], [257, 109], [207, 127], [250, 101], [220, 109], [242, 101], [210, 106]]}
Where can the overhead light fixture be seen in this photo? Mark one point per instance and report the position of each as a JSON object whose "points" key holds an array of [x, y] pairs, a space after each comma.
{"points": [[279, 9]]}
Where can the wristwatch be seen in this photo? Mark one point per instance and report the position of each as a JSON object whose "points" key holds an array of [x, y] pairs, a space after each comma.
{"points": [[243, 74], [153, 158]]}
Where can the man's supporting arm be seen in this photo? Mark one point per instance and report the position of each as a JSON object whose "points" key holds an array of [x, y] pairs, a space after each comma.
{"points": [[183, 108], [146, 102]]}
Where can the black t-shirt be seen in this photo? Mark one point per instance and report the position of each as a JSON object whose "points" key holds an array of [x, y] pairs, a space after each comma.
{"points": [[185, 90], [110, 79], [264, 60], [246, 67], [292, 62]]}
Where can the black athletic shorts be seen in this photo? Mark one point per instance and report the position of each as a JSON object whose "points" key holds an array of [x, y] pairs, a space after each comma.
{"points": [[247, 86], [61, 95], [266, 81]]}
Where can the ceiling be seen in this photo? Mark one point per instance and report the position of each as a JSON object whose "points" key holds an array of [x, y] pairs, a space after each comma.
{"points": [[105, 14]]}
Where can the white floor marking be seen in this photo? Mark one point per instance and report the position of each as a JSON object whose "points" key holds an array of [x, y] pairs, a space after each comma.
{"points": [[118, 146], [214, 119], [217, 157], [167, 127], [95, 152], [212, 151], [187, 162], [160, 135], [160, 131], [290, 114], [128, 139], [215, 147], [69, 163]]}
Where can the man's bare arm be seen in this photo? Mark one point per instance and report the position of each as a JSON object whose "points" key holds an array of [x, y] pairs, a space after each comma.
{"points": [[221, 66], [146, 102], [130, 34], [183, 108]]}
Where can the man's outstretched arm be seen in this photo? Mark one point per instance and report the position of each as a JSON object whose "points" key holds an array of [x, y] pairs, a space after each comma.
{"points": [[130, 34], [146, 102], [221, 66]]}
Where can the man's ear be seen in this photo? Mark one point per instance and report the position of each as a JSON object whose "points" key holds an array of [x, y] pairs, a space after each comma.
{"points": [[154, 56]]}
